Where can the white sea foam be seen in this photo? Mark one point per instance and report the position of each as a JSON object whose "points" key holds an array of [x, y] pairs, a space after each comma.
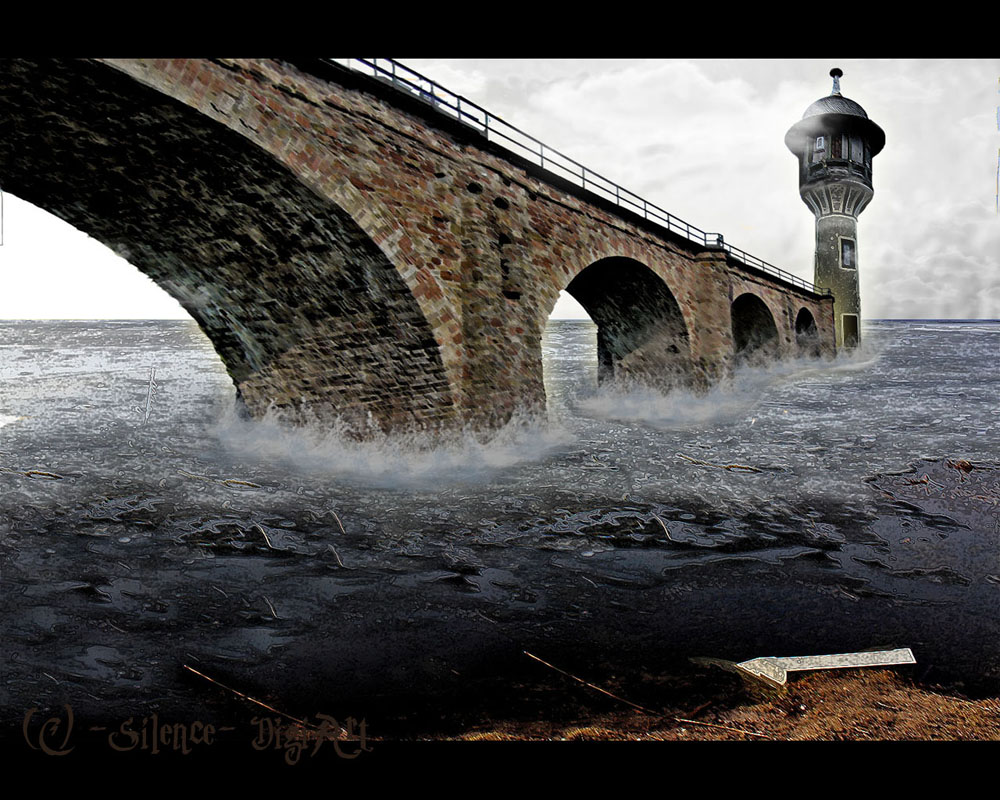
{"points": [[730, 399], [401, 460]]}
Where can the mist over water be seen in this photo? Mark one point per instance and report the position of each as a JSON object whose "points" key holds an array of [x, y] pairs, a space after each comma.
{"points": [[613, 526], [397, 461]]}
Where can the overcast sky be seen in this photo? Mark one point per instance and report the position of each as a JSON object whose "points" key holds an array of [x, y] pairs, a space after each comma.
{"points": [[703, 140]]}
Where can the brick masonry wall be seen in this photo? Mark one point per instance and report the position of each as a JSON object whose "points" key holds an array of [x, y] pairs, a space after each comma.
{"points": [[454, 254]]}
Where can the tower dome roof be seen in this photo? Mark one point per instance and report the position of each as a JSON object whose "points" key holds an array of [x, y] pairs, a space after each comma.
{"points": [[834, 104], [834, 114]]}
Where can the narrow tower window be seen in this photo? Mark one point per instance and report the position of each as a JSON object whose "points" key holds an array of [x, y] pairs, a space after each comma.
{"points": [[847, 256], [820, 142]]}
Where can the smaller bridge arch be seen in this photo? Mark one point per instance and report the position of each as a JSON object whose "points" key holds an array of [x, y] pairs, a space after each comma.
{"points": [[755, 333], [642, 337], [807, 338]]}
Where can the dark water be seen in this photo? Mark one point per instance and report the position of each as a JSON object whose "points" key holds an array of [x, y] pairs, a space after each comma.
{"points": [[325, 574]]}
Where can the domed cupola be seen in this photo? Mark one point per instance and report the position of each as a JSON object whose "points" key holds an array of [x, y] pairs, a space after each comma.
{"points": [[835, 103], [835, 137]]}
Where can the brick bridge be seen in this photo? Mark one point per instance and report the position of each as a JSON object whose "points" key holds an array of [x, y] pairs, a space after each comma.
{"points": [[355, 252]]}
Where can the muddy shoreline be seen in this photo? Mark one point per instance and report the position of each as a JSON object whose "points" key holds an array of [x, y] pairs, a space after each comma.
{"points": [[849, 705]]}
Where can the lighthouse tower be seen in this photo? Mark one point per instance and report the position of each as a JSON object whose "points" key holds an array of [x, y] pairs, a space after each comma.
{"points": [[835, 143]]}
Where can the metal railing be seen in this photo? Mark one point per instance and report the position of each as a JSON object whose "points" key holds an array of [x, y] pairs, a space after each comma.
{"points": [[526, 145]]}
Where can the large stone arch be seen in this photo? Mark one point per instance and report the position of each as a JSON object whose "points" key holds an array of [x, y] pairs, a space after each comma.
{"points": [[642, 335], [305, 309], [755, 333]]}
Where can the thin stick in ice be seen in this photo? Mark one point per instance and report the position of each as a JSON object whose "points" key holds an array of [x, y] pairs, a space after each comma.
{"points": [[149, 394]]}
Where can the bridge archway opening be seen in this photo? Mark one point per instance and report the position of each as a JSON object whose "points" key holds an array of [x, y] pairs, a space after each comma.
{"points": [[309, 316], [641, 336], [755, 334], [53, 271], [569, 353], [106, 337], [807, 339]]}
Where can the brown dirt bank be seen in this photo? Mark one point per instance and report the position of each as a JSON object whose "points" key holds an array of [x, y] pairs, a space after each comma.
{"points": [[852, 705]]}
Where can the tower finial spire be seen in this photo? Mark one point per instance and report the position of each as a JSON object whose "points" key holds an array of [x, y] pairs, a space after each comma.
{"points": [[836, 73]]}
